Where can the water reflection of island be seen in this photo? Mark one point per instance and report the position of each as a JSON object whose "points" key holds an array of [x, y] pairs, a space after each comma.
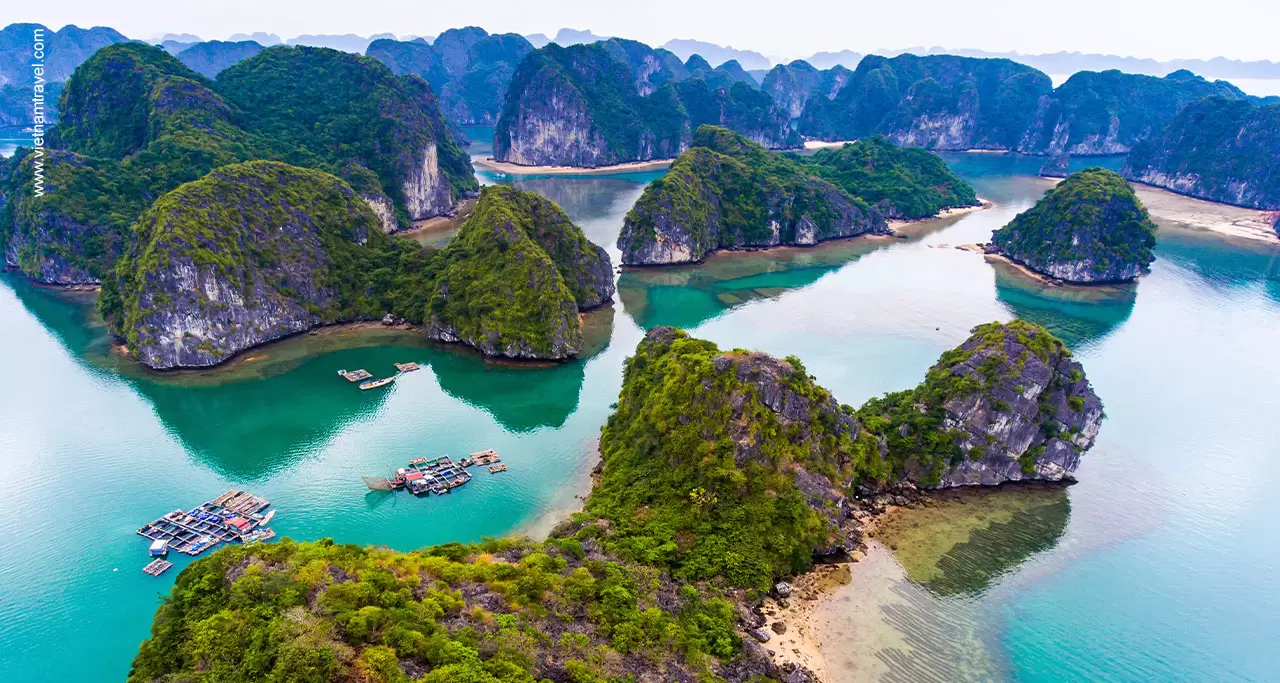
{"points": [[1077, 315], [274, 406]]}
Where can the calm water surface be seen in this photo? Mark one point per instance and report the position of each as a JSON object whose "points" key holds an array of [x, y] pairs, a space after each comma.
{"points": [[1159, 565]]}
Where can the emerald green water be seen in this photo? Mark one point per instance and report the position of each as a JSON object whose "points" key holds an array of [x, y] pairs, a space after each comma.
{"points": [[1163, 568]]}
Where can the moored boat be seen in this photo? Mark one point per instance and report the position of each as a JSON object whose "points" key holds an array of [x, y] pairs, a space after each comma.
{"points": [[375, 383]]}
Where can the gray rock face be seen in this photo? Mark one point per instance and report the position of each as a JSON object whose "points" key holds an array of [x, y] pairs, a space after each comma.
{"points": [[1037, 410], [40, 251], [661, 233], [195, 296], [426, 189], [200, 318]]}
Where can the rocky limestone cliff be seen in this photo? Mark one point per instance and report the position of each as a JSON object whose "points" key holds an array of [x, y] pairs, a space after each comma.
{"points": [[467, 67], [728, 193], [618, 101], [1216, 149], [712, 449], [244, 256], [296, 97], [1009, 404], [71, 235], [939, 102], [513, 280], [791, 85], [1091, 228], [1096, 113]]}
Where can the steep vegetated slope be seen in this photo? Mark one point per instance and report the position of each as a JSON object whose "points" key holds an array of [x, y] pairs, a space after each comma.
{"points": [[619, 101], [259, 251], [1107, 112], [137, 123], [722, 471], [748, 465], [468, 68], [938, 102], [1217, 149], [727, 192], [1091, 228]]}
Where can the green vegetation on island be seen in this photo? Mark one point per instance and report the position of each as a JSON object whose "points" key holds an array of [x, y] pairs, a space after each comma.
{"points": [[619, 101], [726, 192], [899, 182], [722, 471], [258, 251], [467, 67], [137, 123], [938, 102], [1091, 228], [1108, 112], [501, 611], [1216, 149], [507, 283]]}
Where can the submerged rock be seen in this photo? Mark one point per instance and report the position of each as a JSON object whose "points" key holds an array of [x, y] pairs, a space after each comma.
{"points": [[1091, 228]]}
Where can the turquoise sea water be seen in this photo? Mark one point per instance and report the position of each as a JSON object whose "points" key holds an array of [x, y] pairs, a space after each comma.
{"points": [[1164, 570]]}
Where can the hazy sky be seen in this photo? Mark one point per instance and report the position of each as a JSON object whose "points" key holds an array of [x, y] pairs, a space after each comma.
{"points": [[1163, 29]]}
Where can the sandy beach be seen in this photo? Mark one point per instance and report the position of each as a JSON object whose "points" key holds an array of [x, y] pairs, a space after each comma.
{"points": [[823, 144], [516, 169], [904, 225], [1202, 215]]}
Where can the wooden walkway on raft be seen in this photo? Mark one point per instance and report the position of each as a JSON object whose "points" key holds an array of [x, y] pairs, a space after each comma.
{"points": [[209, 524]]}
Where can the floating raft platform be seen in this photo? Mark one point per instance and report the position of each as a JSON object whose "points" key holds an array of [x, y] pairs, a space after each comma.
{"points": [[407, 367], [157, 567], [355, 375], [485, 457], [225, 519], [494, 469]]}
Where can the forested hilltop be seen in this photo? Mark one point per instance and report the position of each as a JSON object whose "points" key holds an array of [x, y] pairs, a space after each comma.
{"points": [[619, 101], [255, 252], [468, 68], [689, 525], [727, 192], [1217, 149], [1091, 228], [137, 123]]}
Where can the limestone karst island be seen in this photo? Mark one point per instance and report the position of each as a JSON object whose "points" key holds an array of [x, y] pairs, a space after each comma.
{"points": [[578, 343]]}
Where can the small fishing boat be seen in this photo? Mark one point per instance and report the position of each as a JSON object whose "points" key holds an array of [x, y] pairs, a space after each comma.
{"points": [[375, 383]]}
